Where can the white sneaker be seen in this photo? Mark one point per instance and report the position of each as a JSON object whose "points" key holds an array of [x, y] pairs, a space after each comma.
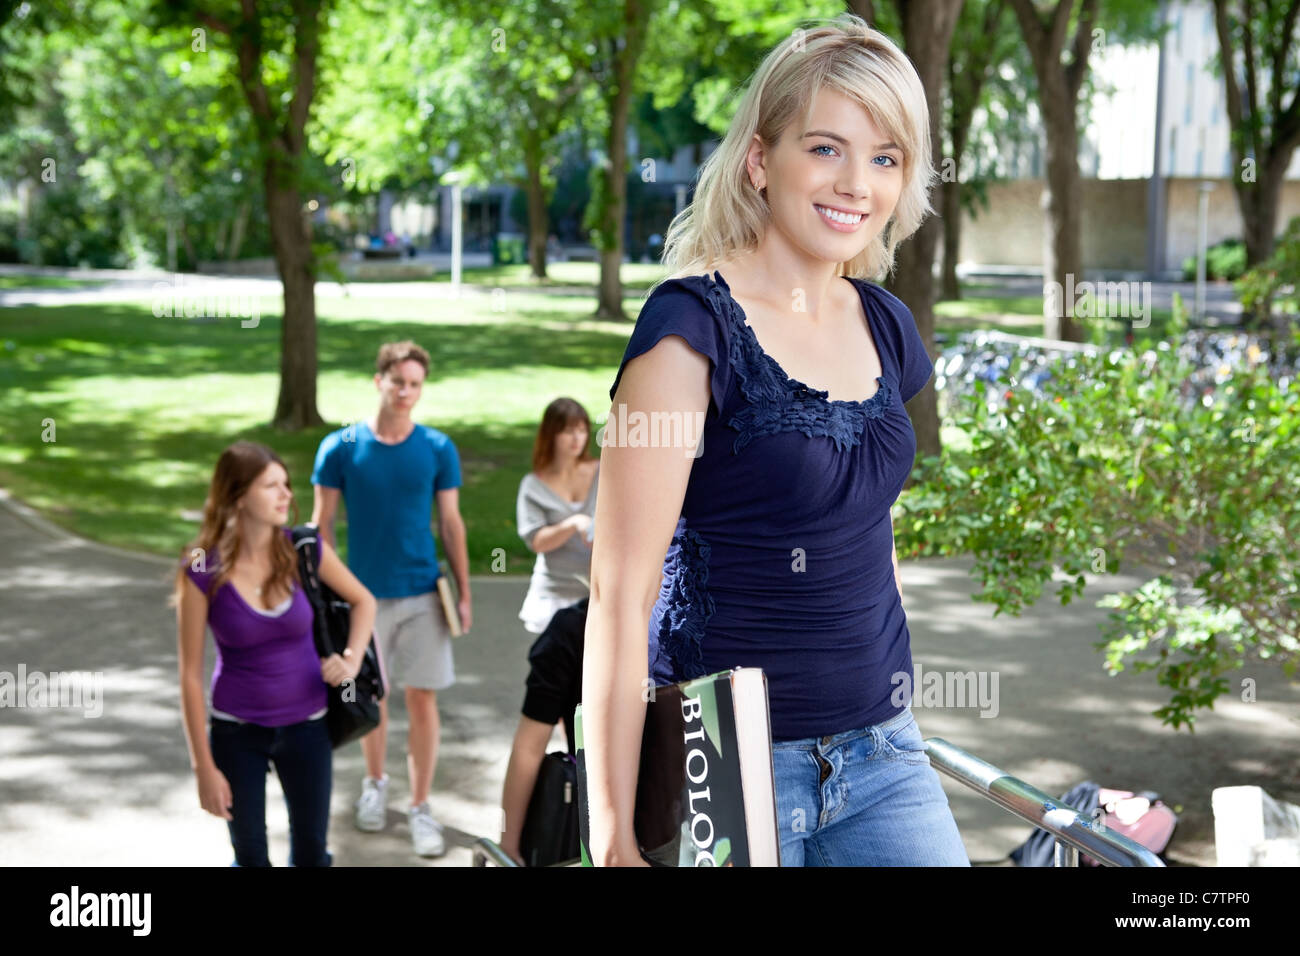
{"points": [[426, 832], [372, 807]]}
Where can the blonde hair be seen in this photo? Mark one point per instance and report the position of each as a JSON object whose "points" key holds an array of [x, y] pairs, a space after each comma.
{"points": [[728, 216]]}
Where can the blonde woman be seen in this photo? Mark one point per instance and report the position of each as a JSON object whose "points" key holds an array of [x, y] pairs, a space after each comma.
{"points": [[771, 543]]}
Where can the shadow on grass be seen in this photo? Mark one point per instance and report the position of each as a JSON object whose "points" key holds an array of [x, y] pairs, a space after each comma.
{"points": [[60, 342], [128, 482]]}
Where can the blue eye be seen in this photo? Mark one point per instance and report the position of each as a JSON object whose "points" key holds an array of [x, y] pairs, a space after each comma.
{"points": [[822, 146], [892, 162]]}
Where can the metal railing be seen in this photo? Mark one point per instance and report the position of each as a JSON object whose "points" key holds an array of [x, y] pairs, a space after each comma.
{"points": [[1073, 830], [485, 851]]}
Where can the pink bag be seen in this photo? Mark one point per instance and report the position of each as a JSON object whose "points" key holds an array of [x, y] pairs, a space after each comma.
{"points": [[1149, 824]]}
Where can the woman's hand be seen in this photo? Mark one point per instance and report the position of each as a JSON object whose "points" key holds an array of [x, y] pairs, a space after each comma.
{"points": [[214, 792], [618, 854], [581, 524], [335, 669]]}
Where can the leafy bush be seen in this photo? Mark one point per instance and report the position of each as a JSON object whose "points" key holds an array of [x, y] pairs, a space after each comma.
{"points": [[1278, 275], [72, 228], [1223, 260], [1119, 463]]}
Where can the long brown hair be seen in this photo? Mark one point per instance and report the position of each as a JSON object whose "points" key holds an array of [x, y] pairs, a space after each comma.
{"points": [[559, 415], [218, 542]]}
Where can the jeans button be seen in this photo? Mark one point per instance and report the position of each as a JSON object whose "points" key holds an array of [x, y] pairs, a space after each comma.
{"points": [[826, 741]]}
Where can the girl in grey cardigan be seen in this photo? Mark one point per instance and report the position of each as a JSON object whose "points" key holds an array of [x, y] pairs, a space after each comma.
{"points": [[554, 511]]}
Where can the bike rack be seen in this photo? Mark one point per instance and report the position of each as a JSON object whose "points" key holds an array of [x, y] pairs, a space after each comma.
{"points": [[1073, 830]]}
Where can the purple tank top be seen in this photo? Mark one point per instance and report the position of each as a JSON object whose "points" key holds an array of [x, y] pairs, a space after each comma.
{"points": [[267, 670]]}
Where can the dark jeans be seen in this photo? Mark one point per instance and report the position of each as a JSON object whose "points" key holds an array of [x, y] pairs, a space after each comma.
{"points": [[304, 762]]}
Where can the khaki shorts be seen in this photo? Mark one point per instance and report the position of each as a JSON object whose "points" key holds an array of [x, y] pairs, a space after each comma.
{"points": [[414, 642]]}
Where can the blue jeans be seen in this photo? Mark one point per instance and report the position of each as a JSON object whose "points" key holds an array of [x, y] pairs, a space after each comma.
{"points": [[304, 763], [866, 797]]}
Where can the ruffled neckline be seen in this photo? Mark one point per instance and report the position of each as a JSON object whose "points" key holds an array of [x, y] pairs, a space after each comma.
{"points": [[793, 385]]}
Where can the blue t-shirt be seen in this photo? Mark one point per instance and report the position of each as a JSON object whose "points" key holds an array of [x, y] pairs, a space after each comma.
{"points": [[388, 491], [783, 556]]}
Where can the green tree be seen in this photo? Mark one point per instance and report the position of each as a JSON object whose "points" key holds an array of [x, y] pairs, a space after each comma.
{"points": [[1047, 32], [1265, 127], [275, 52]]}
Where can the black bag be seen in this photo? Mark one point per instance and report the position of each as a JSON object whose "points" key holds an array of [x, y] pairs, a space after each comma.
{"points": [[353, 709], [550, 833]]}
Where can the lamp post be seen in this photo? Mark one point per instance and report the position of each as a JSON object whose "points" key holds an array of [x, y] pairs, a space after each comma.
{"points": [[454, 179], [1202, 237]]}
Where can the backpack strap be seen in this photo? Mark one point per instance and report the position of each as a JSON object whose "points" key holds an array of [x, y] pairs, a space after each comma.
{"points": [[306, 541]]}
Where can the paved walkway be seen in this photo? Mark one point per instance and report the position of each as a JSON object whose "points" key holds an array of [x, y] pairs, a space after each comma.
{"points": [[117, 789]]}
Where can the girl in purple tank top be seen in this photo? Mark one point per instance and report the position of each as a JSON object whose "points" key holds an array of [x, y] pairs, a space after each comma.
{"points": [[268, 695]]}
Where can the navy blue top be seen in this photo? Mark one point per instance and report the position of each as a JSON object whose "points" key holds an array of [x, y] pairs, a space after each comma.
{"points": [[783, 556]]}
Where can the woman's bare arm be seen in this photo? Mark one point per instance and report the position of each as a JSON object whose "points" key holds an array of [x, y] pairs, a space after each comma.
{"points": [[191, 625], [335, 573], [554, 535], [637, 508]]}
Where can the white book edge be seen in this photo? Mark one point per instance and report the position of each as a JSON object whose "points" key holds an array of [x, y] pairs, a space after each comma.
{"points": [[757, 776]]}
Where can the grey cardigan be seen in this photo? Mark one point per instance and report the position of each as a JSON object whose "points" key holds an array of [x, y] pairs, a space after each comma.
{"points": [[555, 582]]}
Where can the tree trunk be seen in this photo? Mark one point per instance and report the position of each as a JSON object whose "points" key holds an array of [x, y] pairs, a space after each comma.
{"points": [[927, 32], [237, 231], [609, 295], [219, 240], [538, 223], [1259, 204], [296, 405], [951, 198], [190, 252], [1063, 223], [1058, 96]]}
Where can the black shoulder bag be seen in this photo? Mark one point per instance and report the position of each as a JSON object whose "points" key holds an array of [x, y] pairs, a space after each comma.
{"points": [[353, 705]]}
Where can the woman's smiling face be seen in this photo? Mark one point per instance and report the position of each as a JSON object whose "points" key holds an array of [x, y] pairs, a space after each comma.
{"points": [[833, 186]]}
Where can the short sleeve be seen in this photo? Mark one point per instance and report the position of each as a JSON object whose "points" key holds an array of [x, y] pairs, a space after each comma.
{"points": [[448, 475], [695, 310], [530, 517], [328, 469], [914, 362], [203, 579]]}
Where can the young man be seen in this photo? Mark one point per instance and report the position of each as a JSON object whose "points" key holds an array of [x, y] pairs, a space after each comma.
{"points": [[388, 470]]}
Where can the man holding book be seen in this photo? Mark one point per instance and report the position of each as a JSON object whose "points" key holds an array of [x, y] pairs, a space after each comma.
{"points": [[388, 471]]}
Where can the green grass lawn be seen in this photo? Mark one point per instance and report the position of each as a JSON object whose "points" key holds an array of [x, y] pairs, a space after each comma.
{"points": [[142, 406], [635, 275], [45, 282]]}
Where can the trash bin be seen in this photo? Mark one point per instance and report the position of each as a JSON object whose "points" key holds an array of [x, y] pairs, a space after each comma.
{"points": [[508, 248]]}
